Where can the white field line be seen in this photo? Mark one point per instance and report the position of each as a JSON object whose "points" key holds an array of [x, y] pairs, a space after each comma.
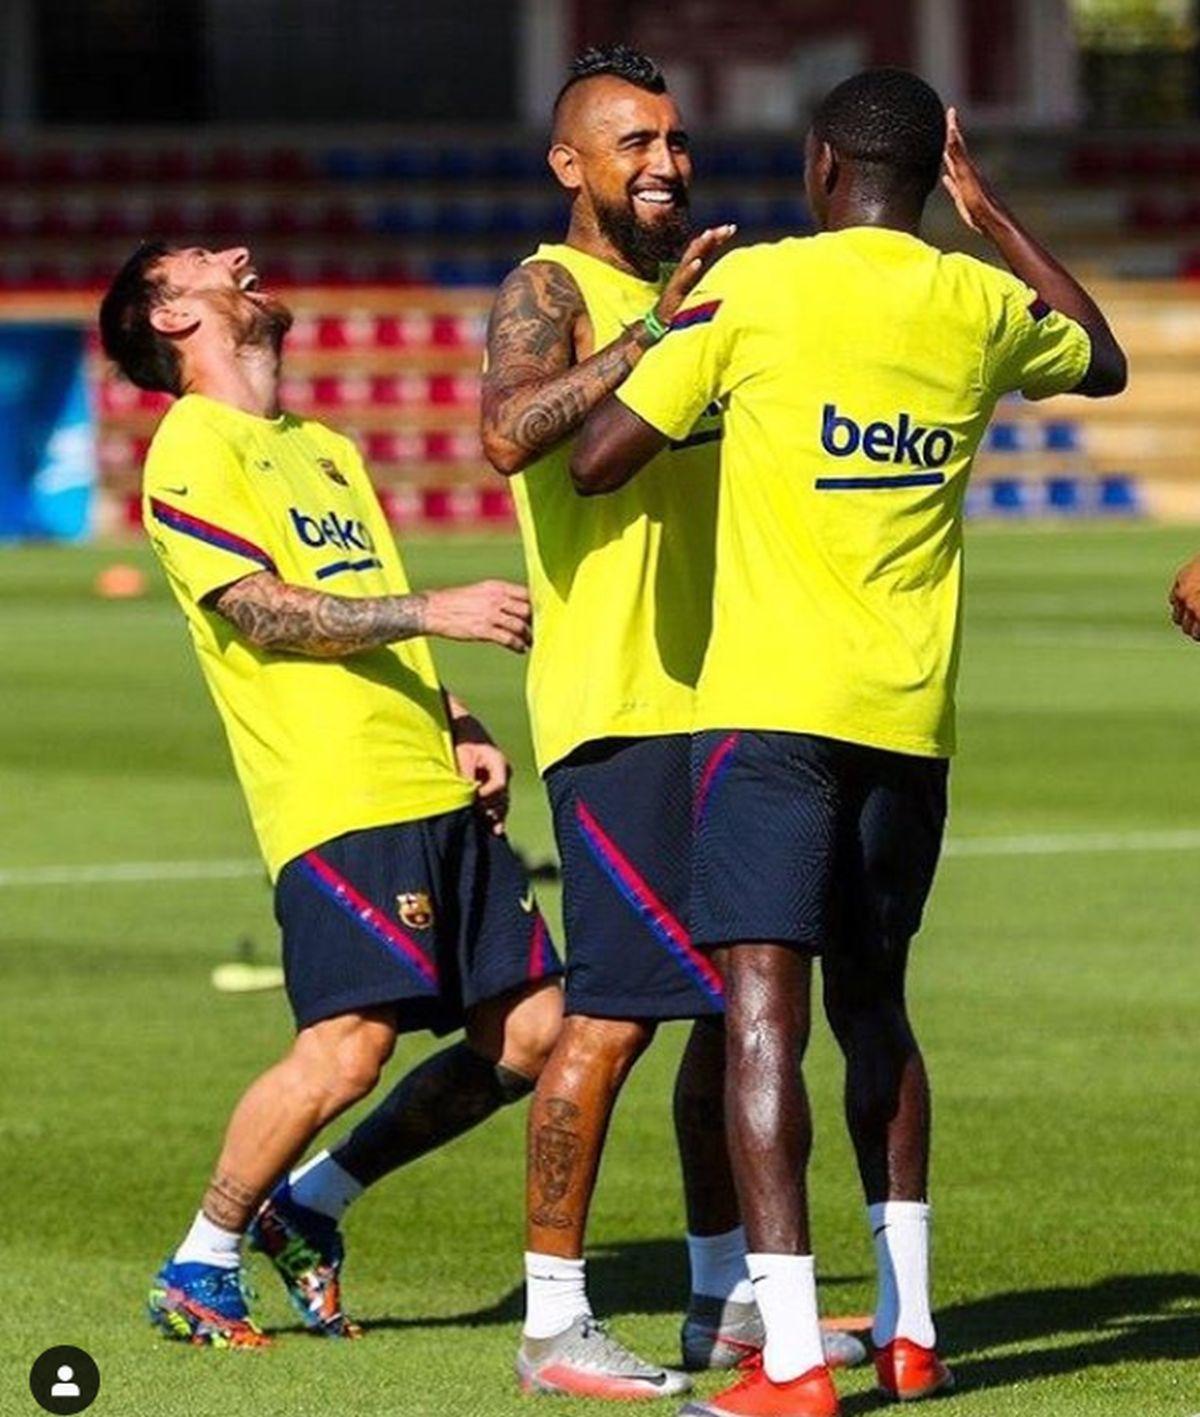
{"points": [[1073, 843], [1045, 844], [131, 873]]}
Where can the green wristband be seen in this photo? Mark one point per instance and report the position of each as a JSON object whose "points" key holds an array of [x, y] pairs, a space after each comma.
{"points": [[654, 325]]}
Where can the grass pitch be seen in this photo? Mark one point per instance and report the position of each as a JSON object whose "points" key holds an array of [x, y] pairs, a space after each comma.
{"points": [[1055, 989]]}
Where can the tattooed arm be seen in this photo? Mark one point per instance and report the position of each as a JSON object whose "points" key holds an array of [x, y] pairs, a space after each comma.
{"points": [[534, 396], [291, 619]]}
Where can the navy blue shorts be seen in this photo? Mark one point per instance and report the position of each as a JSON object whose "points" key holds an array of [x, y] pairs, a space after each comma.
{"points": [[431, 916], [623, 819], [812, 842]]}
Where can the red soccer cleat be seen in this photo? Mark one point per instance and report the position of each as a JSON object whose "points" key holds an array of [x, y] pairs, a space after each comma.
{"points": [[907, 1372], [812, 1394]]}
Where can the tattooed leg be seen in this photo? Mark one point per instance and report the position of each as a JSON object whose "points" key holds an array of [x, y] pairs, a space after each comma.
{"points": [[331, 1065], [568, 1123]]}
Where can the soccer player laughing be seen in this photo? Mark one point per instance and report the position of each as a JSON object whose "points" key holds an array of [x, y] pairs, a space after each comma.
{"points": [[377, 799], [857, 370]]}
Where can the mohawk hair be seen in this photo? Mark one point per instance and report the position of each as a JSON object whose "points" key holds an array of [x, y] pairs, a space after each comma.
{"points": [[621, 62], [889, 120]]}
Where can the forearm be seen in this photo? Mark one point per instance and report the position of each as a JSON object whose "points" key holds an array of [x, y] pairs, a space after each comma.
{"points": [[290, 619], [525, 421], [1029, 260], [613, 447]]}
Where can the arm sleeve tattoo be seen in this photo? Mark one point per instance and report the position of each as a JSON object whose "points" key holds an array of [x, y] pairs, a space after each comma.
{"points": [[291, 619], [533, 397]]}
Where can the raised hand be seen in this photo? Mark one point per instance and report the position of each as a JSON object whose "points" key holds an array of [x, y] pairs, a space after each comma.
{"points": [[972, 194], [701, 252], [496, 612]]}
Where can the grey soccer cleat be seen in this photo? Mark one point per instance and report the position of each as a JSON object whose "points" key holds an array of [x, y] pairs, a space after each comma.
{"points": [[586, 1361], [719, 1333]]}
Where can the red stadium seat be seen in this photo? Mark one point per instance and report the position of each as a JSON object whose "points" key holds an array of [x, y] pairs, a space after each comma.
{"points": [[286, 165]]}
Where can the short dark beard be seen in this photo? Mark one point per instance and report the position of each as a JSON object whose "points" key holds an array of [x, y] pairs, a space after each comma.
{"points": [[646, 245], [258, 325]]}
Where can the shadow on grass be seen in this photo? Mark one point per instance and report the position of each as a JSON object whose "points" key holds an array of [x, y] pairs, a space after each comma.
{"points": [[1139, 1318], [642, 1277], [1056, 1332]]}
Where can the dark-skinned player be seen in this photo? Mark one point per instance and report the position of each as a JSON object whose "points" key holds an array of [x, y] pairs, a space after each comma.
{"points": [[622, 596], [857, 370]]}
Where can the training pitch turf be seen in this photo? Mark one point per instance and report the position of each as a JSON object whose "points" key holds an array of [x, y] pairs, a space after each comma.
{"points": [[1055, 987]]}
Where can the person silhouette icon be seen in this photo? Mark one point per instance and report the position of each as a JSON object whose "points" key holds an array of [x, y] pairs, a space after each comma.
{"points": [[66, 1385]]}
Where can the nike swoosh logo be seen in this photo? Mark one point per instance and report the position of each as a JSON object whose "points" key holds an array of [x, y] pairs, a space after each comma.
{"points": [[176, 491], [526, 902]]}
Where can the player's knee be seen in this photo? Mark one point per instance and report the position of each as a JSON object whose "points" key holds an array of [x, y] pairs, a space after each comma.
{"points": [[519, 1033], [868, 1024], [346, 1066], [530, 1037], [609, 1044]]}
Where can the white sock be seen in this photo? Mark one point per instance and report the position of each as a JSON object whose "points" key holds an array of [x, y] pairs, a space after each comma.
{"points": [[322, 1185], [719, 1266], [555, 1294], [206, 1243], [900, 1230], [786, 1289]]}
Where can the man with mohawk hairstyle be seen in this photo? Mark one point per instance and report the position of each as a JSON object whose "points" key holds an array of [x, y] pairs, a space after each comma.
{"points": [[622, 593]]}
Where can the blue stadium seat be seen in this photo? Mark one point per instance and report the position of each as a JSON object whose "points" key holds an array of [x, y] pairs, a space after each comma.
{"points": [[408, 164], [1062, 438], [518, 164], [1064, 495], [1003, 438], [787, 160], [1120, 495], [457, 164], [1009, 495], [350, 164]]}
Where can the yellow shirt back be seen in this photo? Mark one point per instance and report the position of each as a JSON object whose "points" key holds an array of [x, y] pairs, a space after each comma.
{"points": [[621, 585], [321, 747], [858, 370]]}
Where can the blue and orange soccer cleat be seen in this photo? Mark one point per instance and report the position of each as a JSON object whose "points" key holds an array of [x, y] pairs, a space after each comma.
{"points": [[205, 1305], [306, 1251]]}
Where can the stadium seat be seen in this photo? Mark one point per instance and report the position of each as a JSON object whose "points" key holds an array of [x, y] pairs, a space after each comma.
{"points": [[1120, 495], [1009, 495], [1062, 437], [1064, 495]]}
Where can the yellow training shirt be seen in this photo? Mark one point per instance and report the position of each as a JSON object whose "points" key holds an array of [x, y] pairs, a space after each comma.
{"points": [[621, 585], [858, 370], [321, 746]]}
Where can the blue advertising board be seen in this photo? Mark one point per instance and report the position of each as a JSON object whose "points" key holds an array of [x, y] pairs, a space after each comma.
{"points": [[47, 434]]}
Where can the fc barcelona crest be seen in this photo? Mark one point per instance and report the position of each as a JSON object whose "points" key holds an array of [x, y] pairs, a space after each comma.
{"points": [[332, 471], [415, 910]]}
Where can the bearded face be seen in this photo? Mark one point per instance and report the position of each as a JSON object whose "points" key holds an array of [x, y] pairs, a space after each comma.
{"points": [[649, 227], [255, 321]]}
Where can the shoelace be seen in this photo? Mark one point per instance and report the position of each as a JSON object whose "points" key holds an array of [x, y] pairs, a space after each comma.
{"points": [[616, 1357]]}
